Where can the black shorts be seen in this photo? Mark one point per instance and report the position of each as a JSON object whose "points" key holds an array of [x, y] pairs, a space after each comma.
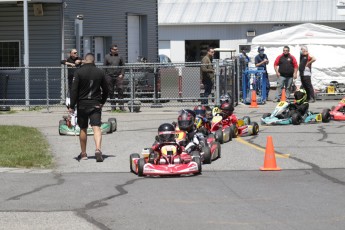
{"points": [[86, 113]]}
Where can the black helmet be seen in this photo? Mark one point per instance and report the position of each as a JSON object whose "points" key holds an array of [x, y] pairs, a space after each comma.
{"points": [[227, 108], [225, 98], [260, 48], [200, 110], [300, 96], [186, 120], [166, 132]]}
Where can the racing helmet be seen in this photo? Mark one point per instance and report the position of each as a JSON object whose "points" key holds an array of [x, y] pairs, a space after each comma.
{"points": [[186, 120], [200, 110], [166, 132], [300, 96], [225, 98], [227, 108]]}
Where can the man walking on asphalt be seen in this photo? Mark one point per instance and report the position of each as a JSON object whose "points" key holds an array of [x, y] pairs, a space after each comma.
{"points": [[89, 92], [286, 68]]}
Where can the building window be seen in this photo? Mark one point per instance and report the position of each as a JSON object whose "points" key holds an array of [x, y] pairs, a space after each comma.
{"points": [[9, 53]]}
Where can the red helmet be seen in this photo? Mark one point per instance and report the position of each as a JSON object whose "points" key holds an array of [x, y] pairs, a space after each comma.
{"points": [[227, 108], [185, 120]]}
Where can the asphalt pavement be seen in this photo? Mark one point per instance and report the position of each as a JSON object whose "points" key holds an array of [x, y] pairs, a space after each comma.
{"points": [[231, 193]]}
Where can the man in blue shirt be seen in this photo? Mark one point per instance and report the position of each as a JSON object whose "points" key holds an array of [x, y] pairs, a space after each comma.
{"points": [[261, 60]]}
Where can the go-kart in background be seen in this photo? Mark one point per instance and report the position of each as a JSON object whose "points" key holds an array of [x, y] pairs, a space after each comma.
{"points": [[312, 145]]}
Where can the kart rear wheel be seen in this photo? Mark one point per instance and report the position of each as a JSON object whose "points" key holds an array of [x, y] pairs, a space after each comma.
{"points": [[234, 131], [207, 155], [326, 116], [246, 120], [296, 119], [219, 150], [61, 122], [131, 157], [255, 129], [113, 124], [219, 136], [141, 163], [266, 115], [198, 162]]}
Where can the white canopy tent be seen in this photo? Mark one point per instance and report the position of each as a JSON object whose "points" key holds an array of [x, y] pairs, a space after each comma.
{"points": [[325, 43]]}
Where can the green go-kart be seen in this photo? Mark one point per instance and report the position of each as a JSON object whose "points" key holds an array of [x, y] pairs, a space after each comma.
{"points": [[68, 126]]}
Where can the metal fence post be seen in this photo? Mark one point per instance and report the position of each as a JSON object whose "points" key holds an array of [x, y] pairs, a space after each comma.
{"points": [[47, 89], [155, 103], [132, 89], [217, 83]]}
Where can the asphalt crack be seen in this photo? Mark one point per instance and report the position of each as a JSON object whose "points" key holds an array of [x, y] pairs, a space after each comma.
{"points": [[57, 177], [82, 212]]}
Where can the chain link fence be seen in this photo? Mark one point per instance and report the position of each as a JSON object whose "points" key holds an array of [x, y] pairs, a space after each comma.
{"points": [[148, 84]]}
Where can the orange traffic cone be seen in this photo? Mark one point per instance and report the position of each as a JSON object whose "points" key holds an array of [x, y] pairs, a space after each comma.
{"points": [[270, 158], [283, 97], [253, 103]]}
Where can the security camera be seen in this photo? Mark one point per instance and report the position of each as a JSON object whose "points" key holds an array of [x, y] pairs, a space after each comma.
{"points": [[80, 16]]}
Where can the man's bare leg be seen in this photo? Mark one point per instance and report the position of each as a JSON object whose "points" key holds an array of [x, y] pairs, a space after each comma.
{"points": [[83, 140], [97, 135]]}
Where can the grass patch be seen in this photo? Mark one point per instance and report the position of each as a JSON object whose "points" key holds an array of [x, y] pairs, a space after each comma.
{"points": [[23, 147], [118, 111], [8, 112]]}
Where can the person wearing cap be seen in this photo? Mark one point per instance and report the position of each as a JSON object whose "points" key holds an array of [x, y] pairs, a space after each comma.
{"points": [[305, 62], [261, 60]]}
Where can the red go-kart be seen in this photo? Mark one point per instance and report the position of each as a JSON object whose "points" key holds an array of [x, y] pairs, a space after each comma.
{"points": [[164, 162], [208, 149], [338, 112], [244, 127]]}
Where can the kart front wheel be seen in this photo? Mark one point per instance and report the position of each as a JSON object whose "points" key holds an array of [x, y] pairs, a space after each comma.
{"points": [[113, 124], [131, 157], [219, 136], [197, 160], [141, 163], [255, 129], [296, 119], [207, 155], [234, 131], [326, 116]]}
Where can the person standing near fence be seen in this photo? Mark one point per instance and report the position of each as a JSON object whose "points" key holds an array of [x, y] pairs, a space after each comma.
{"points": [[305, 72], [207, 74], [115, 76], [286, 68], [72, 62], [261, 61], [89, 93]]}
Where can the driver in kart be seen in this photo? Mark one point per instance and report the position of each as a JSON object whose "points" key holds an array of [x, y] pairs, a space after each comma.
{"points": [[300, 105], [186, 122], [227, 110], [166, 134], [201, 122]]}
